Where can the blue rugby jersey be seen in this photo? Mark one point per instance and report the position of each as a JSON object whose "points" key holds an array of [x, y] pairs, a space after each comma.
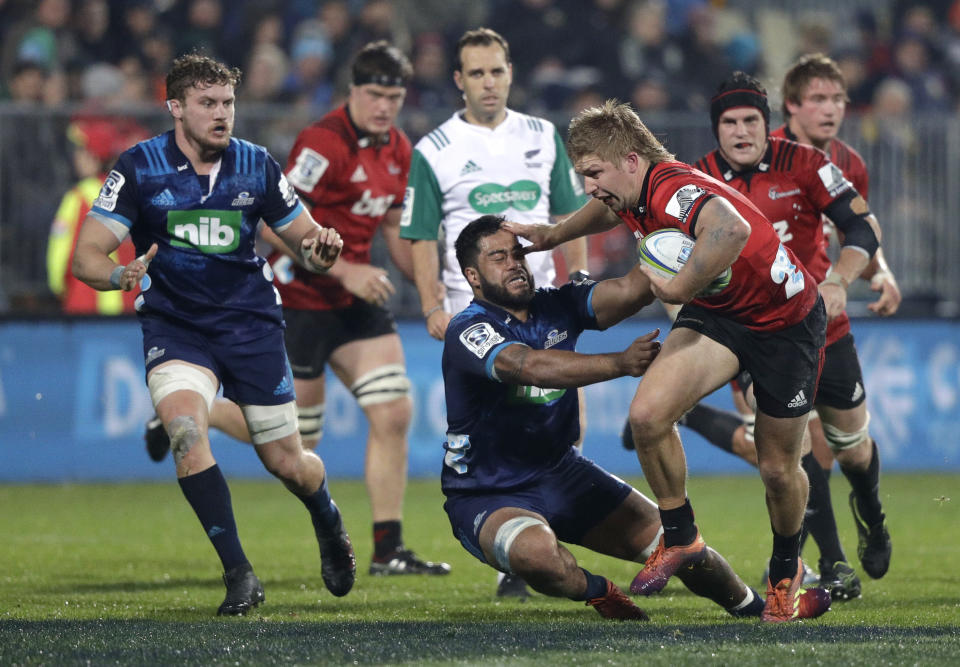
{"points": [[500, 436], [206, 274]]}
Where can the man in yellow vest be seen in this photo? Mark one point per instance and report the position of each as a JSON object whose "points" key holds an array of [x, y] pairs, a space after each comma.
{"points": [[96, 142]]}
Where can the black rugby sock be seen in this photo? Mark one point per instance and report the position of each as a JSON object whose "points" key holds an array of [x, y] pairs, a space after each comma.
{"points": [[596, 586], [786, 553], [323, 511], [678, 526], [387, 538], [716, 426], [819, 520], [866, 487], [209, 496]]}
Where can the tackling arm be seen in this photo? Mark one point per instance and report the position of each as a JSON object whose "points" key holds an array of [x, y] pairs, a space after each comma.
{"points": [[618, 298], [521, 365]]}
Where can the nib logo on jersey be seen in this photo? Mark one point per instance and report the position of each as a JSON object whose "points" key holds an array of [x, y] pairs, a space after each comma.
{"points": [[210, 232], [495, 198]]}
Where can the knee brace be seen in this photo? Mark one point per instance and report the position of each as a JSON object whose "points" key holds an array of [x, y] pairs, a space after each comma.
{"points": [[178, 377], [841, 440], [267, 423], [383, 384], [505, 536], [311, 421]]}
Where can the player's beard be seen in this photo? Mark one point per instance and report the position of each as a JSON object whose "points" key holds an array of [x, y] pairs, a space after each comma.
{"points": [[208, 144], [502, 296]]}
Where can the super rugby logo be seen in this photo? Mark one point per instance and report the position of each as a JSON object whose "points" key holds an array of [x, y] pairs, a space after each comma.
{"points": [[308, 169], [682, 201], [495, 198], [479, 338], [832, 179], [210, 232], [110, 191], [554, 337]]}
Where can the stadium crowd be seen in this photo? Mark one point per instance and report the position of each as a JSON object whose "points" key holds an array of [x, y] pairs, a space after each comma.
{"points": [[660, 55], [62, 60]]}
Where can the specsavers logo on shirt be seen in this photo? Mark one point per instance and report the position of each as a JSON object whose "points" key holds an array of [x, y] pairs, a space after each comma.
{"points": [[495, 198], [210, 232]]}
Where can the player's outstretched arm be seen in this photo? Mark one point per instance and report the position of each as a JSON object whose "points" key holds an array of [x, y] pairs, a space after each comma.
{"points": [[592, 218], [882, 280], [616, 299], [92, 263], [564, 369], [400, 251]]}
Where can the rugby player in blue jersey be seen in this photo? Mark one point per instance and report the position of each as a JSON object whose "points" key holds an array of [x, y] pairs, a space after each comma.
{"points": [[515, 484], [191, 200]]}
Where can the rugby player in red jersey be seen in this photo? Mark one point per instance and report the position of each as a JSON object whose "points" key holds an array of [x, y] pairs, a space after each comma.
{"points": [[770, 320], [795, 186]]}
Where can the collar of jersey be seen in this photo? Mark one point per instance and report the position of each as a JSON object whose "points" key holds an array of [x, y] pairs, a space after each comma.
{"points": [[365, 140]]}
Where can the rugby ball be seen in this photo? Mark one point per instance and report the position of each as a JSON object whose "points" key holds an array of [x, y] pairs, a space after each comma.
{"points": [[667, 250]]}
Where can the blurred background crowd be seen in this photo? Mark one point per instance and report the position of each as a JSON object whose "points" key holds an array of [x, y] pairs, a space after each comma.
{"points": [[80, 80]]}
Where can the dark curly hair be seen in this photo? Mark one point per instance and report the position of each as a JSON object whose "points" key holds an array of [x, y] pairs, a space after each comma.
{"points": [[197, 70]]}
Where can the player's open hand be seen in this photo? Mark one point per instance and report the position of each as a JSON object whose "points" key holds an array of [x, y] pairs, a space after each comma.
{"points": [[319, 251], [135, 270], [367, 282], [637, 358], [537, 234], [890, 297]]}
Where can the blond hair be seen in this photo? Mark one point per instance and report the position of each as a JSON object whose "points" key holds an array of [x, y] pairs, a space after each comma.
{"points": [[611, 131], [807, 68]]}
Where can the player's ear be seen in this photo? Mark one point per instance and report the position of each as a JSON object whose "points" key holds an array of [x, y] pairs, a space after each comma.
{"points": [[472, 276], [173, 106], [458, 79]]}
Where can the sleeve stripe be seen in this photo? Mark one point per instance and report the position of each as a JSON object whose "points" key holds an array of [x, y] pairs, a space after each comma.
{"points": [[280, 224]]}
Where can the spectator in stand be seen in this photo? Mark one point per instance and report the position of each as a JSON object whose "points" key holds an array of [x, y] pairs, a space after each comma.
{"points": [[201, 30], [704, 59], [44, 37], [96, 145], [928, 85], [309, 81], [94, 40]]}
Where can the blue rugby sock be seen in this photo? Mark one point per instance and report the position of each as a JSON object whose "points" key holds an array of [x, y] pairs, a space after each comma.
{"points": [[323, 511], [209, 496], [596, 586]]}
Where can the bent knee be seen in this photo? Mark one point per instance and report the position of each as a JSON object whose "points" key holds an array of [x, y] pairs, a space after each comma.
{"points": [[184, 435], [649, 423]]}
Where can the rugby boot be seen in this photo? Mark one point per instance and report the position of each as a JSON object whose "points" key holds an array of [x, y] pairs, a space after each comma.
{"points": [[789, 601], [664, 562], [617, 606], [244, 591], [840, 579], [338, 564], [873, 542], [512, 586], [158, 442], [404, 561]]}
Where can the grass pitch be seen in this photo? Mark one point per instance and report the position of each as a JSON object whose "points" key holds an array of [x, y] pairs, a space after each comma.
{"points": [[123, 574]]}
